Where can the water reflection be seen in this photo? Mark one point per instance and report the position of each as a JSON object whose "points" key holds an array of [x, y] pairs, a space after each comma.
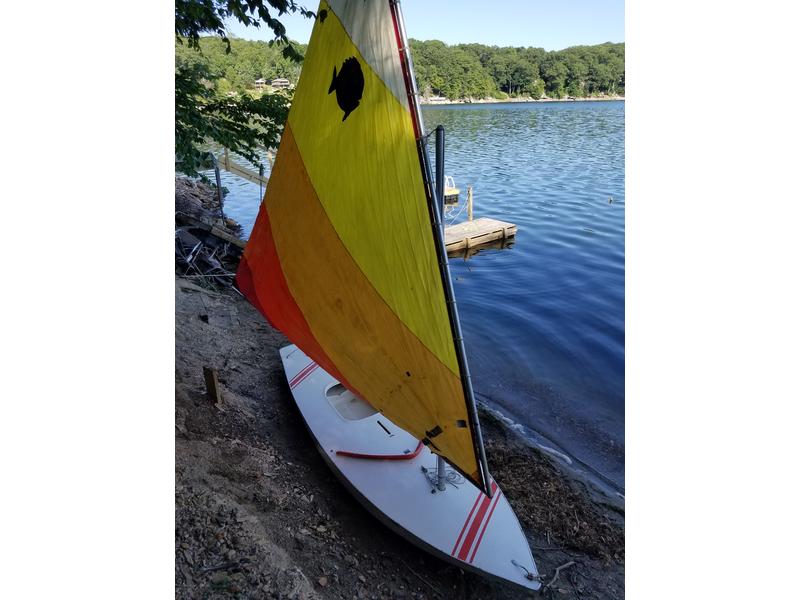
{"points": [[467, 253]]}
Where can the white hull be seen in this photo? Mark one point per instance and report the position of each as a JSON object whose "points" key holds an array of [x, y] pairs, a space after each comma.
{"points": [[460, 525]]}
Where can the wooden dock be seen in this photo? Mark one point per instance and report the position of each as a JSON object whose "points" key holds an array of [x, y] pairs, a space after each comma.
{"points": [[474, 233], [226, 163]]}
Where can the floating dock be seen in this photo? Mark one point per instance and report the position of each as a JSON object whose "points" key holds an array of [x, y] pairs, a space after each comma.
{"points": [[474, 233]]}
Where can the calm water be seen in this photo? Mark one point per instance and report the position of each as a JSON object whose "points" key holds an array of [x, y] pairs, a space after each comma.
{"points": [[543, 319]]}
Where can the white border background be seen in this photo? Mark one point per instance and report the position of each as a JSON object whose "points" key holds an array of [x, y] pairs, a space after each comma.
{"points": [[712, 297], [712, 300]]}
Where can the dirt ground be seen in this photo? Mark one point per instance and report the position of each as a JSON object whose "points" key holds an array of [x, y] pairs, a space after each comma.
{"points": [[259, 515]]}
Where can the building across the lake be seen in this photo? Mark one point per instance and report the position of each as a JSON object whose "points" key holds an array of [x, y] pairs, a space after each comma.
{"points": [[260, 84], [280, 83]]}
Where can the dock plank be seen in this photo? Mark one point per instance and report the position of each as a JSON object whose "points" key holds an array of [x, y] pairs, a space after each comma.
{"points": [[480, 231]]}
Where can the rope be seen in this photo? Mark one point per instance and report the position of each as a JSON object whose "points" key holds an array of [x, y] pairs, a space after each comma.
{"points": [[408, 456], [454, 217], [528, 574], [452, 477]]}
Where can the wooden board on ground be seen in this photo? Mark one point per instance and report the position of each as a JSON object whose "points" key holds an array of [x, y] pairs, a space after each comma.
{"points": [[480, 231], [225, 236]]}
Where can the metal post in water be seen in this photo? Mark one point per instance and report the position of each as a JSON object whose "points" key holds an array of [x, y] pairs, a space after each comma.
{"points": [[261, 182], [441, 473], [440, 168], [219, 186]]}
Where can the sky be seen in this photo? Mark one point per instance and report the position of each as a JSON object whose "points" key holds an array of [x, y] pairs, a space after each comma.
{"points": [[548, 24]]}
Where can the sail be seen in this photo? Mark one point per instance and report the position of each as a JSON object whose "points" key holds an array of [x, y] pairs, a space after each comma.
{"points": [[343, 257]]}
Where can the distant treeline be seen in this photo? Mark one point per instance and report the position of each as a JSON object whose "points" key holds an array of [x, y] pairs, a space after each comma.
{"points": [[478, 71], [459, 71]]}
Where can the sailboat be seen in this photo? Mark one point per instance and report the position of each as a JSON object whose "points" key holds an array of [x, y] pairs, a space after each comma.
{"points": [[347, 259]]}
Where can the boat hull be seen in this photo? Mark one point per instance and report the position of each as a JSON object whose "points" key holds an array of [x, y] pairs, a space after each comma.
{"points": [[460, 525]]}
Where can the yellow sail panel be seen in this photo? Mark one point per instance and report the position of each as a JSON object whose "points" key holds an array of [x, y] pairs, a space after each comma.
{"points": [[381, 358], [366, 171], [371, 29], [342, 258]]}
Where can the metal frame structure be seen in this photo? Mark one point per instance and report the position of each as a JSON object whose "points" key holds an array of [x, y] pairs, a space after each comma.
{"points": [[441, 251]]}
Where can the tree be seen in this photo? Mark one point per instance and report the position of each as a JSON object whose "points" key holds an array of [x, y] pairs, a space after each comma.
{"points": [[577, 71], [476, 70], [240, 123], [536, 89], [554, 73], [500, 71], [522, 74], [204, 111]]}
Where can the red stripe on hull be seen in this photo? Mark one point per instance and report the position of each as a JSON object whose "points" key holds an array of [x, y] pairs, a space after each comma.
{"points": [[485, 525], [469, 516], [301, 373], [476, 523], [304, 377]]}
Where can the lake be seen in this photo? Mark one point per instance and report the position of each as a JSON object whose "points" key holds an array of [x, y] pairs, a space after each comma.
{"points": [[543, 318]]}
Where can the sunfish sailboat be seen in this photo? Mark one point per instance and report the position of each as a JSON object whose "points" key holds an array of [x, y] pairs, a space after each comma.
{"points": [[347, 259]]}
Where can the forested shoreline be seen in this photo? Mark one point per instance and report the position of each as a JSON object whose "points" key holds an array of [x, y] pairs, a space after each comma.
{"points": [[480, 71], [455, 72]]}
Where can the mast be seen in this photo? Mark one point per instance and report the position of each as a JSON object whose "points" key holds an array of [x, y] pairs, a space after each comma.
{"points": [[441, 251]]}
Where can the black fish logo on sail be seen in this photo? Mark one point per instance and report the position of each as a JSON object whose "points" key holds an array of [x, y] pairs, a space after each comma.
{"points": [[323, 14], [348, 85]]}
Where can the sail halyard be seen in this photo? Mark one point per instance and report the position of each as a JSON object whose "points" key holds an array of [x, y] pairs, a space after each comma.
{"points": [[441, 251], [347, 256]]}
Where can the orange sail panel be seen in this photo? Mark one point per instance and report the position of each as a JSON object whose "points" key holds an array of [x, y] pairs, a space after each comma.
{"points": [[342, 257]]}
